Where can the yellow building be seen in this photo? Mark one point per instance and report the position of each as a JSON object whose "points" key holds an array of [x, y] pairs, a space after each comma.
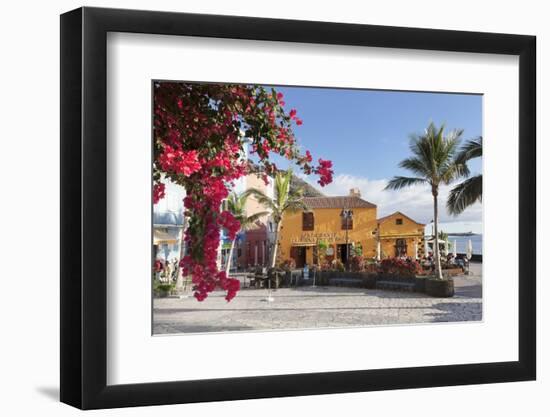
{"points": [[399, 235], [347, 220]]}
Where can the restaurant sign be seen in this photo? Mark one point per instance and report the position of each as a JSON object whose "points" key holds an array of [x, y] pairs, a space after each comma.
{"points": [[328, 237]]}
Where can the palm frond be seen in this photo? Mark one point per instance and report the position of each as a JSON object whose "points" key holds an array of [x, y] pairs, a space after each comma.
{"points": [[249, 222], [465, 194], [282, 187], [470, 150], [396, 183], [261, 198], [451, 171], [415, 165]]}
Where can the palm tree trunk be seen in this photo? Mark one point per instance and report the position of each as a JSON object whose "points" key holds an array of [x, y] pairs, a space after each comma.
{"points": [[436, 238], [230, 257], [275, 245]]}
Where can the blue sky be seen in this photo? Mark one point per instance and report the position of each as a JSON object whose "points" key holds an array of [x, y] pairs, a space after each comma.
{"points": [[366, 134]]}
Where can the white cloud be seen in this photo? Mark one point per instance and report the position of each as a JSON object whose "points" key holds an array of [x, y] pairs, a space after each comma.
{"points": [[415, 202]]}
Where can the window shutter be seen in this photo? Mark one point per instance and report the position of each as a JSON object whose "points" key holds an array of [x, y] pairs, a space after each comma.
{"points": [[308, 221]]}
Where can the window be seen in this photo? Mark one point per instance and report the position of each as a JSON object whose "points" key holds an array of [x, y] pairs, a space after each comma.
{"points": [[308, 222], [398, 222]]}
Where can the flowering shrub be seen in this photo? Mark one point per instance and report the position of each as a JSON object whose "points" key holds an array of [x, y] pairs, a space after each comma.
{"points": [[325, 265], [337, 265], [399, 267], [371, 267], [357, 263], [200, 132], [159, 266], [158, 192]]}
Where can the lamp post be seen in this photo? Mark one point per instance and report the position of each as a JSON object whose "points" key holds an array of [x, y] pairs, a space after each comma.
{"points": [[347, 215]]}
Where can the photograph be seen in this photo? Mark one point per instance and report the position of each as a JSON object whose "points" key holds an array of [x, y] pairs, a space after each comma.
{"points": [[299, 207]]}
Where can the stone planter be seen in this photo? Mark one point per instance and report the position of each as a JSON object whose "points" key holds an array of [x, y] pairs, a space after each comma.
{"points": [[420, 284], [322, 278], [441, 288], [369, 280]]}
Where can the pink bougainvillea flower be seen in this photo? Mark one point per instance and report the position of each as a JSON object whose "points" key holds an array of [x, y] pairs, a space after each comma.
{"points": [[324, 170], [158, 192], [199, 143]]}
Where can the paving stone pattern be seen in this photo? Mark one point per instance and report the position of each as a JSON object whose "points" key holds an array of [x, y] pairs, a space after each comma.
{"points": [[317, 307]]}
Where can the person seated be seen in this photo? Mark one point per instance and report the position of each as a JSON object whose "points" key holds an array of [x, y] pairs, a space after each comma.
{"points": [[461, 262], [451, 259]]}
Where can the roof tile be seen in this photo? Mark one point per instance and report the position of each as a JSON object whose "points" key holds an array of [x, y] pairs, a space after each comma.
{"points": [[337, 202]]}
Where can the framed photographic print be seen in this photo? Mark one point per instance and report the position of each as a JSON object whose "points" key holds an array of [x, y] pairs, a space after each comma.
{"points": [[257, 208]]}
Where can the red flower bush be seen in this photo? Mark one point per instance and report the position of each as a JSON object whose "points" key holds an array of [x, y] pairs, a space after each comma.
{"points": [[324, 170], [200, 133], [159, 266], [399, 267], [158, 192], [357, 263]]}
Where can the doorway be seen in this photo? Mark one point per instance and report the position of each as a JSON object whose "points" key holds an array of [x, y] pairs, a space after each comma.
{"points": [[344, 254], [400, 247], [298, 253]]}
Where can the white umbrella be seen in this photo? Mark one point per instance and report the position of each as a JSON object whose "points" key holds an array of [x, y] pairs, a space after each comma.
{"points": [[469, 251], [454, 248], [378, 251], [445, 243], [415, 250]]}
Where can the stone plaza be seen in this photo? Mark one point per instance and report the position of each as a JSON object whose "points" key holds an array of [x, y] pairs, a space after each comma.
{"points": [[317, 307]]}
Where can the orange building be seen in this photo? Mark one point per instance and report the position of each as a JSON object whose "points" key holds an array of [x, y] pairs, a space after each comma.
{"points": [[399, 235], [347, 225]]}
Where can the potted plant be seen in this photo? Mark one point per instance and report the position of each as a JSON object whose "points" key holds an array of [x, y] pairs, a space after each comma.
{"points": [[163, 290]]}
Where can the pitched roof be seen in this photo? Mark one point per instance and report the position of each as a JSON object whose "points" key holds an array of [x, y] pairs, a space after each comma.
{"points": [[389, 216], [337, 202]]}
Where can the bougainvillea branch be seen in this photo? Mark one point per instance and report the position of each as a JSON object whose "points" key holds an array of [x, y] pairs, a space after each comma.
{"points": [[200, 135]]}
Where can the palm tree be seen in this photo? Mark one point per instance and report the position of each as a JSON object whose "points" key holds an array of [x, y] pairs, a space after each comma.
{"points": [[433, 162], [285, 200], [236, 204], [445, 238], [468, 192]]}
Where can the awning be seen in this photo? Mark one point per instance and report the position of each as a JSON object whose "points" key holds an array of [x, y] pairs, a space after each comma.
{"points": [[303, 244], [160, 237]]}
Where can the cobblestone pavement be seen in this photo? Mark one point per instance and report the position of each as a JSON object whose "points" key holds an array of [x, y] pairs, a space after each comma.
{"points": [[317, 307]]}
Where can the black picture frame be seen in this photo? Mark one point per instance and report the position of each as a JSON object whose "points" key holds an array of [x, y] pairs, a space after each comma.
{"points": [[84, 207]]}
